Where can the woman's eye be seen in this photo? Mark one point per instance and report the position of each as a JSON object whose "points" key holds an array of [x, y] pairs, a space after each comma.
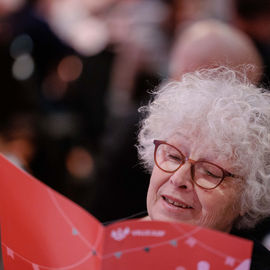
{"points": [[175, 158], [211, 174]]}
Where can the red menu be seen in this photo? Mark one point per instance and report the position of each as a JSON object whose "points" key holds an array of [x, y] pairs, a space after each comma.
{"points": [[41, 229]]}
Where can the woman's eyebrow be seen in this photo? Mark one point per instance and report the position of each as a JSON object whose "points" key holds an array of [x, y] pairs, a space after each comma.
{"points": [[180, 139]]}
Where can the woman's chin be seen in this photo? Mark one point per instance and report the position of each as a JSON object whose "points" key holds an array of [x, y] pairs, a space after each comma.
{"points": [[162, 217], [146, 218], [169, 218]]}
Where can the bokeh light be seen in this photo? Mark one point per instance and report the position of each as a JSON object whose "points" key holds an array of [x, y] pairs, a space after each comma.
{"points": [[80, 163], [22, 44], [53, 88], [70, 68], [23, 67]]}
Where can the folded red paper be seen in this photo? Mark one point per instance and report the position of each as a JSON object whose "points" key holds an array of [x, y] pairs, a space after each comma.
{"points": [[41, 229]]}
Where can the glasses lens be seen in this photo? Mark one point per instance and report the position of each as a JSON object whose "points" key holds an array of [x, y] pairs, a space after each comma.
{"points": [[168, 158], [207, 175]]}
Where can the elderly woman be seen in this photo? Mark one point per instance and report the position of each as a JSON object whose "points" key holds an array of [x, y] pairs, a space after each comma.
{"points": [[206, 142]]}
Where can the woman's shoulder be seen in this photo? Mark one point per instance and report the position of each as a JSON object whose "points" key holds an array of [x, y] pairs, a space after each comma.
{"points": [[260, 255]]}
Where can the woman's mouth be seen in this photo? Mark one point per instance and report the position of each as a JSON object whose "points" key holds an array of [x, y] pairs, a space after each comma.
{"points": [[175, 203]]}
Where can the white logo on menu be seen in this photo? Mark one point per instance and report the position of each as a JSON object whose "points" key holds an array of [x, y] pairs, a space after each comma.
{"points": [[120, 234]]}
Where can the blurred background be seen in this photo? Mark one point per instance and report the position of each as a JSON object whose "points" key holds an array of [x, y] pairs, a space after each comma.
{"points": [[73, 74]]}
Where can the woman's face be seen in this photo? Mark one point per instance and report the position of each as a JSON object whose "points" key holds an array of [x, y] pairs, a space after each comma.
{"points": [[174, 196]]}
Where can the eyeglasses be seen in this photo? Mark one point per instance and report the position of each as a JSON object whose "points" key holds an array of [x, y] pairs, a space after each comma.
{"points": [[204, 174]]}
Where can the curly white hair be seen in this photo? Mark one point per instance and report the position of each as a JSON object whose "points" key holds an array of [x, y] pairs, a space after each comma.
{"points": [[232, 114]]}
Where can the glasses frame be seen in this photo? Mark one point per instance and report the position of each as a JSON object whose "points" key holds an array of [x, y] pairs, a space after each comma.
{"points": [[225, 173]]}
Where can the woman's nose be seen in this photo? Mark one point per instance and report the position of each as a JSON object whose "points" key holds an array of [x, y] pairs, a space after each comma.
{"points": [[182, 177]]}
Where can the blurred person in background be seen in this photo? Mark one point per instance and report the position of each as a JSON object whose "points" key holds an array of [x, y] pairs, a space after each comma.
{"points": [[84, 67], [210, 43], [253, 18], [30, 53], [138, 32]]}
